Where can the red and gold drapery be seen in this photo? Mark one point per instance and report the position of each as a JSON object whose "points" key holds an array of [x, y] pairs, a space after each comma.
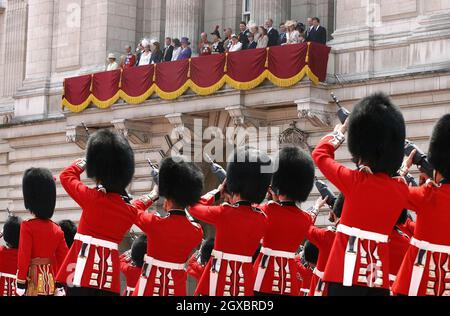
{"points": [[284, 66]]}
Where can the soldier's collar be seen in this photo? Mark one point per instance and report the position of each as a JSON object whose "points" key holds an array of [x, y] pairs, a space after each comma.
{"points": [[288, 203], [243, 203], [177, 212]]}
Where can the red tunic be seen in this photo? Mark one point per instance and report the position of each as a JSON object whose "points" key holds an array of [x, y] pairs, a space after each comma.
{"points": [[323, 239], [287, 226], [40, 240], [195, 269], [106, 217], [304, 277], [8, 271], [373, 204], [433, 221], [131, 273], [239, 230], [408, 228], [173, 239], [129, 61], [398, 247]]}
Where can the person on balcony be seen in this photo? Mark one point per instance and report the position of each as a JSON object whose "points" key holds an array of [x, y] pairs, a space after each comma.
{"points": [[129, 59], [318, 33], [146, 56], [272, 33], [176, 49], [243, 36], [292, 36], [227, 41], [263, 38], [283, 33], [186, 51], [168, 50], [157, 54], [112, 64], [236, 46], [217, 44], [204, 46], [251, 41]]}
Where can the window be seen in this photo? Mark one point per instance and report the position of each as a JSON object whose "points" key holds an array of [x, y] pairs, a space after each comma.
{"points": [[246, 10]]}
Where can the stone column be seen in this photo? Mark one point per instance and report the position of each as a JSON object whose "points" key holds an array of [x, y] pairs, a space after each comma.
{"points": [[15, 46], [184, 18], [278, 10]]}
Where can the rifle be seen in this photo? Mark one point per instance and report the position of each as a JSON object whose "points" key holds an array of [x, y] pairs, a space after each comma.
{"points": [[154, 173], [342, 113], [133, 235], [410, 180], [419, 159], [325, 192], [220, 173], [86, 129]]}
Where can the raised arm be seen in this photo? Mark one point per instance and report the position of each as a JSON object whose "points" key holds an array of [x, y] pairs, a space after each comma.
{"points": [[204, 211], [71, 181], [342, 177]]}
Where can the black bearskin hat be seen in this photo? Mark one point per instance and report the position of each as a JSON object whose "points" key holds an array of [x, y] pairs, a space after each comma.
{"points": [[39, 192], [339, 205], [206, 250], [180, 181], [11, 232], [311, 253], [70, 230], [377, 134], [249, 174], [139, 250], [295, 175], [110, 160], [439, 154]]}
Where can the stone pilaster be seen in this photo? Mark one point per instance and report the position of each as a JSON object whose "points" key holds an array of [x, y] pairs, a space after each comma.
{"points": [[185, 18], [278, 10], [15, 46]]}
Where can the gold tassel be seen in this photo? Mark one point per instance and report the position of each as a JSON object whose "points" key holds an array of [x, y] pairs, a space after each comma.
{"points": [[225, 69], [189, 70], [307, 53], [120, 81], [154, 73], [267, 58], [91, 88]]}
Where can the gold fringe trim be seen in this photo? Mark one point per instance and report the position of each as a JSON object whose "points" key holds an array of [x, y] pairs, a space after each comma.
{"points": [[139, 99], [76, 108], [208, 90], [172, 95], [247, 85], [107, 103], [311, 75]]}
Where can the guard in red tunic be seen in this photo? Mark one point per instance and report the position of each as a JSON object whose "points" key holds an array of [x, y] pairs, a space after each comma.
{"points": [[131, 263], [426, 268], [92, 267], [359, 259], [42, 247], [305, 273], [323, 239], [174, 237], [287, 224], [408, 227], [398, 247], [199, 260], [8, 256], [239, 226]]}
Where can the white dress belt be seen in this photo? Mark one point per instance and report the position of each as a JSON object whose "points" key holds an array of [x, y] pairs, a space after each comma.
{"points": [[362, 234], [318, 273], [217, 257], [262, 270], [352, 250], [7, 276], [87, 242], [419, 265]]}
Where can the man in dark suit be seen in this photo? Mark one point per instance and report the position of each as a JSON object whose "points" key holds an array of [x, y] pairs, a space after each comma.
{"points": [[274, 36], [318, 33], [283, 34], [243, 35], [168, 50]]}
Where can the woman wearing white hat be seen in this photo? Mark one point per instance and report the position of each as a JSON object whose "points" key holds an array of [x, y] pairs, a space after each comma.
{"points": [[146, 55], [292, 35], [112, 64], [236, 46]]}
